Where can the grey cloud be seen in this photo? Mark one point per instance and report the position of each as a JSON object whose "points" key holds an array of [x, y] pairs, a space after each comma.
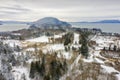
{"points": [[70, 10], [70, 3], [15, 8]]}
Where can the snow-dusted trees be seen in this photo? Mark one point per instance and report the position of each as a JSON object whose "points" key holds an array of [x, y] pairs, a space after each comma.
{"points": [[6, 59], [68, 38], [2, 76], [84, 44], [53, 69], [84, 50], [5, 48], [57, 69], [38, 67], [32, 70], [115, 48], [111, 48]]}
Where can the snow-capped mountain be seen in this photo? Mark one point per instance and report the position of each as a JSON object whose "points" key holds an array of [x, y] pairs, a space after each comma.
{"points": [[50, 23]]}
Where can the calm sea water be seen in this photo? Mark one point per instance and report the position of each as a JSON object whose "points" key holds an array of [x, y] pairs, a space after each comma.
{"points": [[105, 27], [12, 27]]}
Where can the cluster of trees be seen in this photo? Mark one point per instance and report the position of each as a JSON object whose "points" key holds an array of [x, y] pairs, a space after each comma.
{"points": [[6, 51], [37, 67], [114, 48], [48, 71], [2, 76], [84, 43], [6, 59], [5, 48], [49, 34], [57, 69], [68, 38]]}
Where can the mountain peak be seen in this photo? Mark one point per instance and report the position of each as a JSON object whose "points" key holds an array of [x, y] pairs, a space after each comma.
{"points": [[49, 18], [51, 22]]}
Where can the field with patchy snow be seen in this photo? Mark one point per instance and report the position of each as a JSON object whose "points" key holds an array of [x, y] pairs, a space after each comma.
{"points": [[95, 67]]}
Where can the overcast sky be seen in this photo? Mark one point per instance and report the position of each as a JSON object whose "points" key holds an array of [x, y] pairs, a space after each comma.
{"points": [[67, 10]]}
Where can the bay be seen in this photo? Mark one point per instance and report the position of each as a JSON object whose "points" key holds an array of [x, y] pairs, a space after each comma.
{"points": [[105, 27]]}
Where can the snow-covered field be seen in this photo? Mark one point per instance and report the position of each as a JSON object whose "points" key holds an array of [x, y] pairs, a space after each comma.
{"points": [[39, 39], [20, 72]]}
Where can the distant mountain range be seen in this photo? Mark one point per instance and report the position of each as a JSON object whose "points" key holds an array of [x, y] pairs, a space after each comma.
{"points": [[51, 21], [13, 22], [0, 23], [102, 21]]}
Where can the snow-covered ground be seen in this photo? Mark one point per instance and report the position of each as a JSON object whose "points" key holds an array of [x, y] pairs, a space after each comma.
{"points": [[53, 48], [21, 72], [45, 38], [39, 39], [103, 41], [110, 70], [12, 43], [94, 55], [76, 38], [58, 35]]}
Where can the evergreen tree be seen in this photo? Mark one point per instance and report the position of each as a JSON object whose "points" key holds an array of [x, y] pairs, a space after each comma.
{"points": [[84, 44], [110, 48], [115, 48], [32, 70], [104, 48], [68, 38], [21, 38], [84, 50], [65, 65], [47, 77], [66, 49], [43, 66]]}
